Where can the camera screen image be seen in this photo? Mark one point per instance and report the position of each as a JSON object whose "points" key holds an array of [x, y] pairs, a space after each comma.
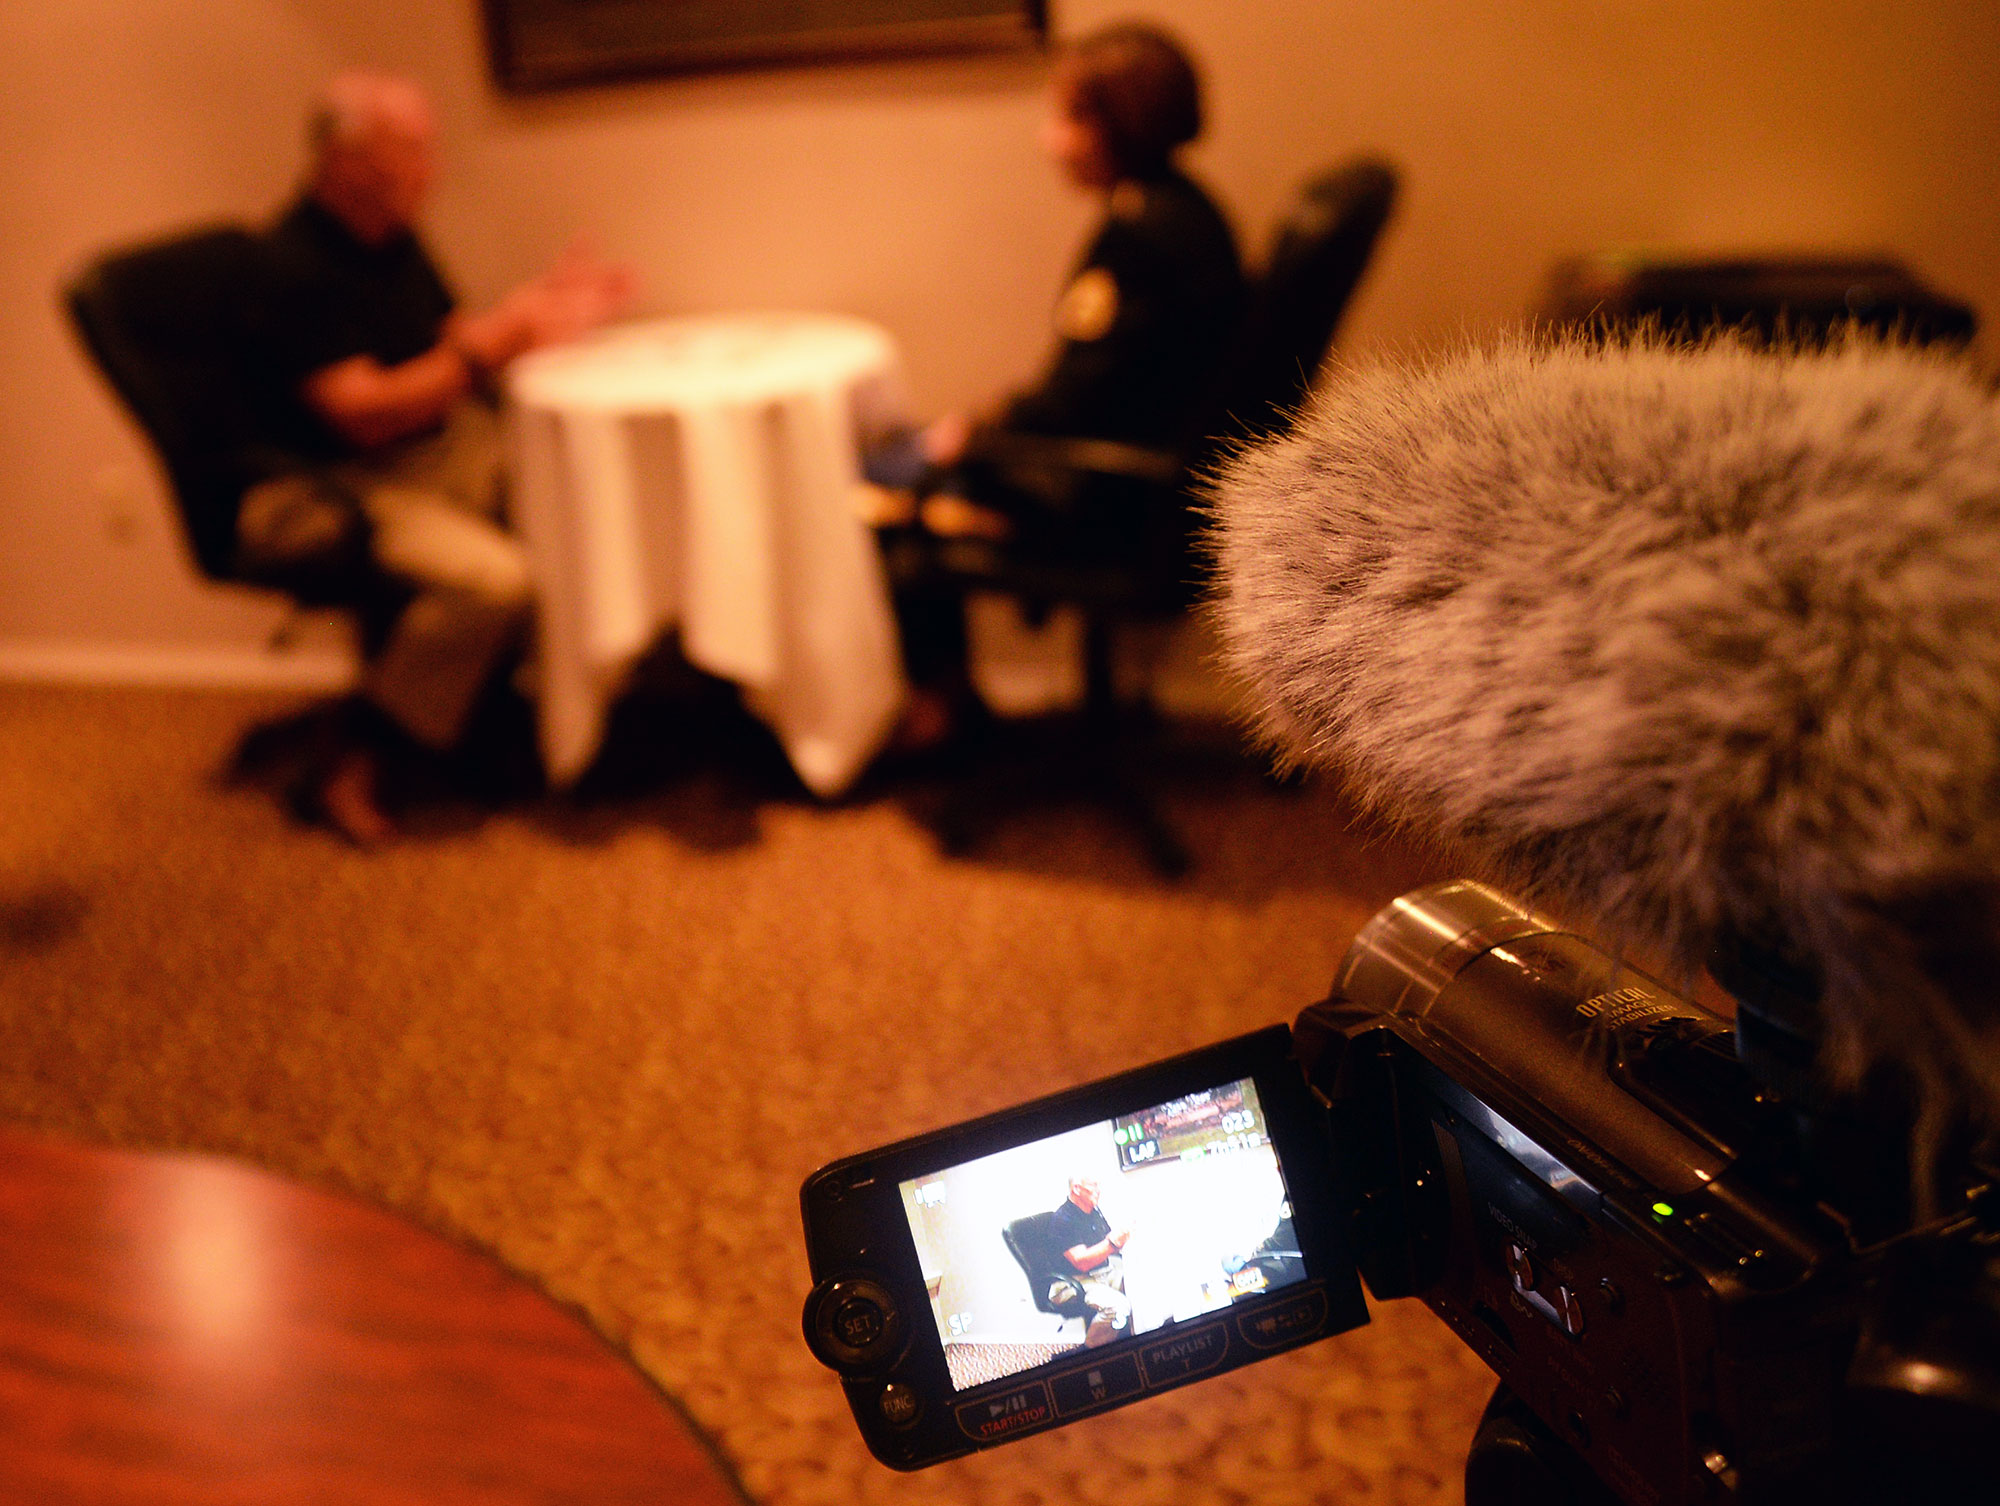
{"points": [[1103, 1232]]}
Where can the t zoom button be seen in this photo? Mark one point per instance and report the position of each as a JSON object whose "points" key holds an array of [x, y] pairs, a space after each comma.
{"points": [[1184, 1355], [853, 1324]]}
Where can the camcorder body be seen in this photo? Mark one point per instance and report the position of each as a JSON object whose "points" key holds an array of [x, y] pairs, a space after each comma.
{"points": [[1691, 1287]]}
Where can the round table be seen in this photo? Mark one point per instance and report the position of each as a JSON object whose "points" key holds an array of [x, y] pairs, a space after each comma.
{"points": [[698, 473], [179, 1330]]}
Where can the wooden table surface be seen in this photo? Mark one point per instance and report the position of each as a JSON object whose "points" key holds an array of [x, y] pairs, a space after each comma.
{"points": [[181, 1330]]}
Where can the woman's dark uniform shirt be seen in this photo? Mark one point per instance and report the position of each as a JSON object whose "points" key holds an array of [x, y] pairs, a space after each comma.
{"points": [[1146, 324], [327, 297]]}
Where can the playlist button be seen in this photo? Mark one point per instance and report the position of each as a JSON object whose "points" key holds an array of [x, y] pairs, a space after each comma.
{"points": [[1185, 1353], [1097, 1385]]}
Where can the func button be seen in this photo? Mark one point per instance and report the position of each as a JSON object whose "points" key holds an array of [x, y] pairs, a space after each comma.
{"points": [[853, 1324], [1097, 1385], [1187, 1352], [900, 1405]]}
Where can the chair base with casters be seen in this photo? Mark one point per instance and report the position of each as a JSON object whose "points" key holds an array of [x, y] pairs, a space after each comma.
{"points": [[1095, 756]]}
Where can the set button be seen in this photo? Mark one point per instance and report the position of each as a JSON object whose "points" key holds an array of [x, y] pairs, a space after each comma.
{"points": [[859, 1322], [853, 1324]]}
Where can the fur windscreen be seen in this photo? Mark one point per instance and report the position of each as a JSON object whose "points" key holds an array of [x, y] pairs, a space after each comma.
{"points": [[1687, 641]]}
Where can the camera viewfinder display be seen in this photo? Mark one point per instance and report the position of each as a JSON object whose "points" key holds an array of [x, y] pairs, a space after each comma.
{"points": [[1102, 1233]]}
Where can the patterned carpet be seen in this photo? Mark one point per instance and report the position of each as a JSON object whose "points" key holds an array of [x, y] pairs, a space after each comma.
{"points": [[974, 1364], [607, 1041]]}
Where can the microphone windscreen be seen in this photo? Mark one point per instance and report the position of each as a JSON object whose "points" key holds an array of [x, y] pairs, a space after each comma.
{"points": [[1694, 642]]}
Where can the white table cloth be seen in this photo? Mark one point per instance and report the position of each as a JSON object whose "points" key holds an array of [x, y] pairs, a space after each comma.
{"points": [[699, 472]]}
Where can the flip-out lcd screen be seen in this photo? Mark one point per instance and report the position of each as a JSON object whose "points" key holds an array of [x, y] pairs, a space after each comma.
{"points": [[1103, 1232]]}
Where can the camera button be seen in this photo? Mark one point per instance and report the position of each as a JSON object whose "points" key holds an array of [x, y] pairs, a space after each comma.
{"points": [[1289, 1321], [900, 1405]]}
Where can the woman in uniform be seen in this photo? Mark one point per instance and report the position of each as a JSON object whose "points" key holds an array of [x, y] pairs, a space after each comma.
{"points": [[1145, 331]]}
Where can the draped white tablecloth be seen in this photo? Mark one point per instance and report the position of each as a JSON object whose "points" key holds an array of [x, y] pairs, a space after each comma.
{"points": [[699, 473]]}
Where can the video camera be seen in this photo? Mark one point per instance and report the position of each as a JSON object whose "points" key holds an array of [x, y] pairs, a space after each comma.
{"points": [[1693, 1286]]}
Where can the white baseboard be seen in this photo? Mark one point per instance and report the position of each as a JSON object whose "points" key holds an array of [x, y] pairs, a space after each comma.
{"points": [[177, 666]]}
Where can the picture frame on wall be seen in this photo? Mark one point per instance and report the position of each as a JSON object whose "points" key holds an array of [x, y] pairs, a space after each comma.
{"points": [[547, 44]]}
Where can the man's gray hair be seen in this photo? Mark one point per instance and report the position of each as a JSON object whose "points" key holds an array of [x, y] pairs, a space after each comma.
{"points": [[354, 102]]}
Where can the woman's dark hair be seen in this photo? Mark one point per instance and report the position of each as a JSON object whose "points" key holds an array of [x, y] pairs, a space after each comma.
{"points": [[1133, 83]]}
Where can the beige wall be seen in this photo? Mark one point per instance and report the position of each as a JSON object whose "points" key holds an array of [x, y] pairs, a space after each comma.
{"points": [[911, 192]]}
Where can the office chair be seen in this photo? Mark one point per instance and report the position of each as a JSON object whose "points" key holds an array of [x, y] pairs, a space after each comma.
{"points": [[1319, 251], [1800, 298], [1027, 1240], [1127, 551], [166, 324]]}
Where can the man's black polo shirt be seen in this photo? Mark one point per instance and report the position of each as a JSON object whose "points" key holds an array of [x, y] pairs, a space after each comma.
{"points": [[1070, 1226], [327, 296]]}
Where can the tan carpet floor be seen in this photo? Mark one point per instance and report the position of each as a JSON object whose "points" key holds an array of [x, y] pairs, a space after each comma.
{"points": [[608, 1044]]}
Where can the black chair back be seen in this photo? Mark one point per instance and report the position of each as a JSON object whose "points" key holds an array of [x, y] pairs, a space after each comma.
{"points": [[164, 324], [1027, 1240], [1319, 251]]}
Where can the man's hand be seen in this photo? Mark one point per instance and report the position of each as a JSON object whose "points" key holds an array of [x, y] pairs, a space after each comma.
{"points": [[1090, 1257], [945, 439], [574, 296], [369, 404]]}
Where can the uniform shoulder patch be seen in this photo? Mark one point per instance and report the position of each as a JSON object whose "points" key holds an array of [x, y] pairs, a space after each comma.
{"points": [[1089, 306]]}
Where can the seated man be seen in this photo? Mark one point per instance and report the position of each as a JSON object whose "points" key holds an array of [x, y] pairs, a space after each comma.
{"points": [[1145, 332], [1086, 1242], [380, 382]]}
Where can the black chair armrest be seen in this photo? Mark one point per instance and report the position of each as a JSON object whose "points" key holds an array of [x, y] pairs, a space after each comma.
{"points": [[1013, 449]]}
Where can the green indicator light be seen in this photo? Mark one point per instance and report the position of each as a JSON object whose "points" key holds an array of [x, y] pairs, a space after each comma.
{"points": [[1663, 1210]]}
